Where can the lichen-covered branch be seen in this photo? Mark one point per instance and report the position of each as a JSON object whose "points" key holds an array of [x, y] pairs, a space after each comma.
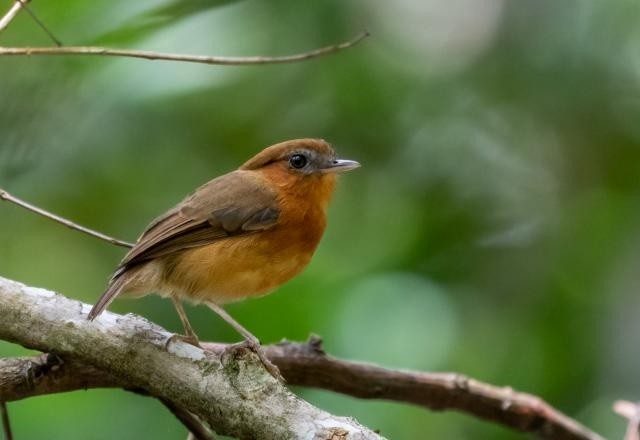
{"points": [[306, 364], [230, 390]]}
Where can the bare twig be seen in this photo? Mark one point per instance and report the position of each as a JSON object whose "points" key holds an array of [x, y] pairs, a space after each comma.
{"points": [[202, 59], [6, 424], [196, 429], [39, 22], [11, 14], [630, 411], [4, 195]]}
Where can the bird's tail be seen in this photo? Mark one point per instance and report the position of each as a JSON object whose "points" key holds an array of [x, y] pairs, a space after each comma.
{"points": [[116, 285]]}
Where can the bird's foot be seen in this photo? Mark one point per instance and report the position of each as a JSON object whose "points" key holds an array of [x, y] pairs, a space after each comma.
{"points": [[254, 345], [250, 341]]}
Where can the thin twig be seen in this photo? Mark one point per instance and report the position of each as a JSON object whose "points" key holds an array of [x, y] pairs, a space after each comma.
{"points": [[11, 14], [4, 195], [196, 429], [202, 59], [630, 411], [6, 425], [39, 22]]}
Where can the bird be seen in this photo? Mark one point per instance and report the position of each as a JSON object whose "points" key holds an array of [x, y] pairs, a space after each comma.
{"points": [[240, 235]]}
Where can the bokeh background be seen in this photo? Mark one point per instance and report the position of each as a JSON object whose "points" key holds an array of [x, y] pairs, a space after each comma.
{"points": [[493, 230]]}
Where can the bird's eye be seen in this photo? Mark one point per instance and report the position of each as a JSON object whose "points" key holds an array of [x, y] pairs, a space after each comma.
{"points": [[298, 161]]}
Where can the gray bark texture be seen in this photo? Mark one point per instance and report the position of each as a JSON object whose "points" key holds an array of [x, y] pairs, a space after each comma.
{"points": [[229, 390]]}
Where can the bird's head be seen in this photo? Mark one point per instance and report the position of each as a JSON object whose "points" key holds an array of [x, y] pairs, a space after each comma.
{"points": [[301, 157], [305, 166]]}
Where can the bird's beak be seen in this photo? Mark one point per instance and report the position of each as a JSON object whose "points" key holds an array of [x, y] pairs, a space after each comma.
{"points": [[341, 165]]}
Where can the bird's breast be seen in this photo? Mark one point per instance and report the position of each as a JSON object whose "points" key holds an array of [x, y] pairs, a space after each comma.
{"points": [[247, 265]]}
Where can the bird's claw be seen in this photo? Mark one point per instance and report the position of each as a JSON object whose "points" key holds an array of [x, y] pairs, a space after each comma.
{"points": [[189, 339]]}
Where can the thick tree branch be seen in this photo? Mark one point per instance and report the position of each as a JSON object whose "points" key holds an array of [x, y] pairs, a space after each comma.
{"points": [[306, 364], [201, 59], [229, 390], [23, 377]]}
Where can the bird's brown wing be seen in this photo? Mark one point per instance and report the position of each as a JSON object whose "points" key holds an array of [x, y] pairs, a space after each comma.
{"points": [[233, 204]]}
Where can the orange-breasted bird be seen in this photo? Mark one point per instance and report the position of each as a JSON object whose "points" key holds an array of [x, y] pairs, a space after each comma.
{"points": [[239, 235]]}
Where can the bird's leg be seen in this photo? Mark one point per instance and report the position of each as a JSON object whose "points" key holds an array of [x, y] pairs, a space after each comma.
{"points": [[189, 335], [250, 340]]}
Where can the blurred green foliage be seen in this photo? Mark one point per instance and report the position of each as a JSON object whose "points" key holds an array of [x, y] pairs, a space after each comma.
{"points": [[493, 229]]}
